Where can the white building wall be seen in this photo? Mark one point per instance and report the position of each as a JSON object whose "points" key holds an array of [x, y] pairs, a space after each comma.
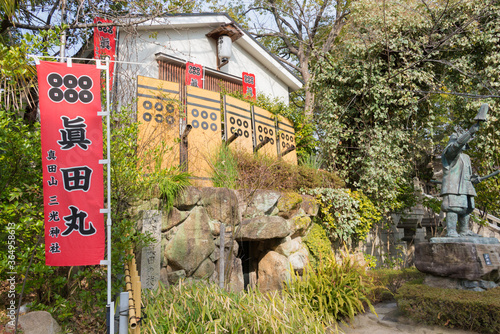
{"points": [[192, 45]]}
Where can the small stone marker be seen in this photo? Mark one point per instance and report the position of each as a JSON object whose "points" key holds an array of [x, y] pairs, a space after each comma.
{"points": [[151, 255]]}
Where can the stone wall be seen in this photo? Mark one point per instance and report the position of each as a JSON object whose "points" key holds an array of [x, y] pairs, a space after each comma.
{"points": [[263, 233]]}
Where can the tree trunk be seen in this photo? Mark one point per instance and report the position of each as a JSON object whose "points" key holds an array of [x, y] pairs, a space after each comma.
{"points": [[309, 95]]}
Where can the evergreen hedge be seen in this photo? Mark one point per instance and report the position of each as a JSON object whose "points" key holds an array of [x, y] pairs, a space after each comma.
{"points": [[470, 310]]}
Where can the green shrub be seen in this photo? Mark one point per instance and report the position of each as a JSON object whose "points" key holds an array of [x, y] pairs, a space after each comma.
{"points": [[205, 308], [347, 216], [318, 244], [337, 290], [475, 311], [261, 172], [388, 281]]}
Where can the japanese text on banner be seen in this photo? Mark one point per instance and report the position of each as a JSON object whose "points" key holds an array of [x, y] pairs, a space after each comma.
{"points": [[72, 145]]}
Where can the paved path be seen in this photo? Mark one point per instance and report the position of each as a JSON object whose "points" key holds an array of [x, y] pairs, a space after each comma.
{"points": [[390, 321]]}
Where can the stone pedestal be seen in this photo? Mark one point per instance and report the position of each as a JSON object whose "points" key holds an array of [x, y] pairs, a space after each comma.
{"points": [[472, 259]]}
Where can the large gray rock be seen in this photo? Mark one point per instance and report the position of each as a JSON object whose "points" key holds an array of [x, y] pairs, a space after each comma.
{"points": [[192, 243], [188, 198], [174, 218], [174, 276], [287, 246], [262, 228], [39, 322], [258, 203], [273, 271], [459, 260], [205, 270], [300, 259], [221, 205]]}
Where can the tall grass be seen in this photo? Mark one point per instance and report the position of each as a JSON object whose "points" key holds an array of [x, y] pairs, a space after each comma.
{"points": [[225, 168], [334, 289], [205, 308], [170, 183], [313, 161]]}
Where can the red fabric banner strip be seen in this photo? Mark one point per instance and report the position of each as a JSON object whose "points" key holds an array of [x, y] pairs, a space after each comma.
{"points": [[72, 146], [249, 85], [105, 44], [194, 75]]}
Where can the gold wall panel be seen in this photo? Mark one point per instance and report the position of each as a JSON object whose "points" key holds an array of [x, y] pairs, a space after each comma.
{"points": [[264, 126], [203, 113], [286, 138], [237, 118], [158, 117]]}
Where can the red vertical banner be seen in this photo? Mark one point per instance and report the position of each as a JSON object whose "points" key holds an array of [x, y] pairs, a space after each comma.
{"points": [[249, 85], [72, 145], [105, 44], [194, 75]]}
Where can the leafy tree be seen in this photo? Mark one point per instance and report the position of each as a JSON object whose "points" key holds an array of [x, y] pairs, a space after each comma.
{"points": [[402, 75], [298, 32]]}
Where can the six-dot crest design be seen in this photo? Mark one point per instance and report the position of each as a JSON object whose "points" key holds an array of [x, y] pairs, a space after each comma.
{"points": [[204, 119], [155, 111], [70, 88]]}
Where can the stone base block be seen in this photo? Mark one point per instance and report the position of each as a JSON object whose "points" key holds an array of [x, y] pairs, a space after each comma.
{"points": [[459, 284], [473, 240], [468, 261]]}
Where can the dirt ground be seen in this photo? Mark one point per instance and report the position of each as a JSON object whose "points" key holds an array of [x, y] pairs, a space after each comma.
{"points": [[390, 321]]}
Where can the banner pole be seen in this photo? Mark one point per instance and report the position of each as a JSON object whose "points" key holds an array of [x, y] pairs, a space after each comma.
{"points": [[108, 181]]}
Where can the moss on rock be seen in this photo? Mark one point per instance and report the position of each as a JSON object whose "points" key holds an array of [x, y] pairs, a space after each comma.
{"points": [[289, 203]]}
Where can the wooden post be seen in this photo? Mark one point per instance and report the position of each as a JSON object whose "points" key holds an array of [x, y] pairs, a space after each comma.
{"points": [[262, 143], [288, 150], [232, 138], [184, 147], [221, 259]]}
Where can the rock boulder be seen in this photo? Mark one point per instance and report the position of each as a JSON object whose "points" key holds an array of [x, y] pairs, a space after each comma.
{"points": [[262, 228], [192, 243], [273, 271], [459, 260], [39, 322]]}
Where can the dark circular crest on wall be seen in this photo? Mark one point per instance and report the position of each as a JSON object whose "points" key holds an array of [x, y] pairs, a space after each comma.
{"points": [[158, 106], [170, 108], [159, 118]]}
